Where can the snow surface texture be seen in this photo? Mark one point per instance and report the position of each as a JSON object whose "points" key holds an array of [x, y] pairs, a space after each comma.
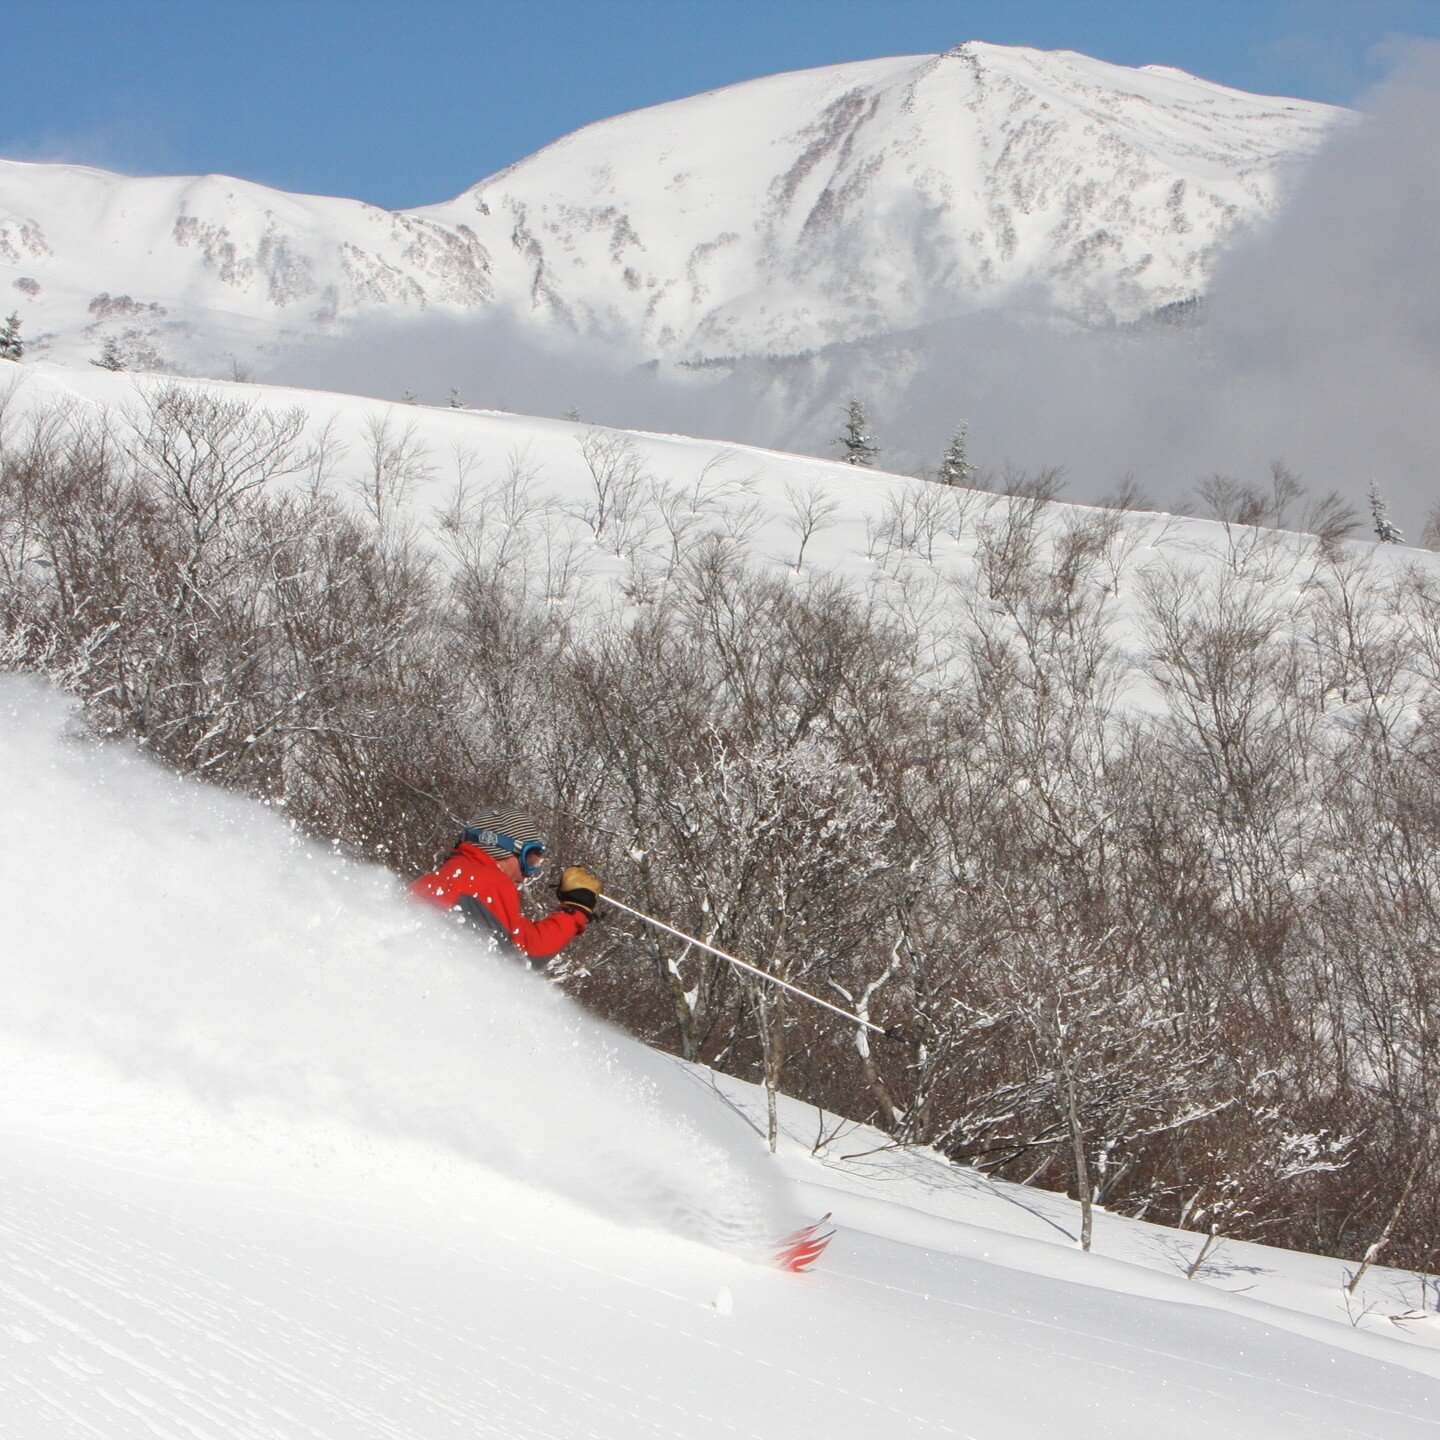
{"points": [[186, 939], [272, 1146], [767, 217]]}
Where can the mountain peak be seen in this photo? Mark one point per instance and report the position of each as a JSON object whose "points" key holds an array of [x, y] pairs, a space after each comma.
{"points": [[797, 210], [773, 216]]}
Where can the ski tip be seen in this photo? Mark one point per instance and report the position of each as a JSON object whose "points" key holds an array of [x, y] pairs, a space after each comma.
{"points": [[806, 1231], [800, 1258], [800, 1250]]}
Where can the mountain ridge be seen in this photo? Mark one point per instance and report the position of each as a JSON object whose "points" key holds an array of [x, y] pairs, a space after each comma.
{"points": [[772, 216]]}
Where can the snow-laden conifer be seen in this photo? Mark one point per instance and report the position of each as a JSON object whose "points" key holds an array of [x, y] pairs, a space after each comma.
{"points": [[12, 347], [955, 467], [859, 443], [111, 356], [1386, 530]]}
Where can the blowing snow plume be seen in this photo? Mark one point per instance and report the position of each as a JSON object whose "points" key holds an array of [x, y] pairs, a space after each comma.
{"points": [[186, 938], [1326, 328]]}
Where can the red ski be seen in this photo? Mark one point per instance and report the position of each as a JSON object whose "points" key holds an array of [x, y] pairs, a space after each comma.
{"points": [[798, 1252]]}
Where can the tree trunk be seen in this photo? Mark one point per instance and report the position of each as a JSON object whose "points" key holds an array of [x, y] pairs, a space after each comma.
{"points": [[771, 1015], [1417, 1166], [1077, 1150], [674, 987]]}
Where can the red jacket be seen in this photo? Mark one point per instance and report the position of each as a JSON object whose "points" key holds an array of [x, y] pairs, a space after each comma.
{"points": [[470, 871]]}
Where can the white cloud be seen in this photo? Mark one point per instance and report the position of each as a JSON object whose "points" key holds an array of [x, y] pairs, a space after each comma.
{"points": [[1321, 346]]}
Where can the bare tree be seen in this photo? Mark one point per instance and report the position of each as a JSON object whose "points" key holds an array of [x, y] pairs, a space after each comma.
{"points": [[620, 481], [811, 510]]}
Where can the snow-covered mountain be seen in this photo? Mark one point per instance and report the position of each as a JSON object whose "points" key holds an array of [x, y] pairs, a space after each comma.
{"points": [[183, 271], [764, 218], [801, 209]]}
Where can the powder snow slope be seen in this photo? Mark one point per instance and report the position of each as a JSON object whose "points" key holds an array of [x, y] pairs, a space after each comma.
{"points": [[763, 218], [285, 1159]]}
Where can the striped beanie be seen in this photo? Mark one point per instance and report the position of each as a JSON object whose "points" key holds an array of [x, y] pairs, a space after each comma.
{"points": [[500, 820]]}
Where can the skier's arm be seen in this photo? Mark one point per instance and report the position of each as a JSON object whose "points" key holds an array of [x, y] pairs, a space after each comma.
{"points": [[579, 892], [540, 939]]}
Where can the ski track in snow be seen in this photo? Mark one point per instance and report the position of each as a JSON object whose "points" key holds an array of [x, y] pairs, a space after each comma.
{"points": [[138, 1305], [190, 1351]]}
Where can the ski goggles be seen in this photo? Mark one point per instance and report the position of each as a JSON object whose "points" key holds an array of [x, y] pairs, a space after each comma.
{"points": [[531, 854]]}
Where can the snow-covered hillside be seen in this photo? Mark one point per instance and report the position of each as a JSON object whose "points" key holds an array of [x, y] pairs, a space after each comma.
{"points": [[284, 1158], [494, 482], [521, 493], [763, 218]]}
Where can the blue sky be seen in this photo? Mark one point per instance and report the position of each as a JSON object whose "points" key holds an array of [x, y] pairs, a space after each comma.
{"points": [[406, 102]]}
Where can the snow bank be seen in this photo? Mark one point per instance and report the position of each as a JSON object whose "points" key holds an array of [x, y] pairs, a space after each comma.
{"points": [[264, 981]]}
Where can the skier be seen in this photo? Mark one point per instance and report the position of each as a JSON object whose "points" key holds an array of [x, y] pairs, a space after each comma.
{"points": [[500, 850]]}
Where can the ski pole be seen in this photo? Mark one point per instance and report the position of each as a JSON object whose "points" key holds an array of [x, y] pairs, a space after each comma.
{"points": [[743, 965]]}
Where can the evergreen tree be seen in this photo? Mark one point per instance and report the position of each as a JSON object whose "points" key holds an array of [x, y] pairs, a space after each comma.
{"points": [[859, 443], [111, 355], [1430, 536], [955, 468], [12, 347], [1386, 530]]}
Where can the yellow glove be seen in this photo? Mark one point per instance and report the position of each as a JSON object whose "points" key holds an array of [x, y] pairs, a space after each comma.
{"points": [[578, 889]]}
